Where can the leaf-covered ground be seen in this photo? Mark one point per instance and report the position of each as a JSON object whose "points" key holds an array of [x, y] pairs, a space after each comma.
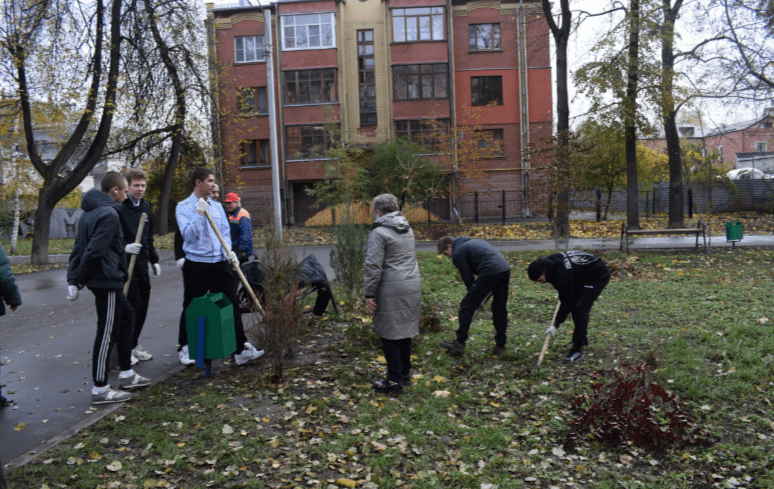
{"points": [[472, 421]]}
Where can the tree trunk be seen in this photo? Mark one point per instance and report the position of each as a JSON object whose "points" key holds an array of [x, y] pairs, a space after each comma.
{"points": [[561, 35], [630, 110], [15, 226], [39, 254], [670, 114]]}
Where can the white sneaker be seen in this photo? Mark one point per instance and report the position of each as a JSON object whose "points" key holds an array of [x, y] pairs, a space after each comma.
{"points": [[184, 358], [134, 360], [141, 354], [247, 355]]}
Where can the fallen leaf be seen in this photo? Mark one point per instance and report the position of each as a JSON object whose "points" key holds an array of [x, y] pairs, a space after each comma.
{"points": [[19, 427], [227, 430], [114, 466], [346, 483], [441, 393]]}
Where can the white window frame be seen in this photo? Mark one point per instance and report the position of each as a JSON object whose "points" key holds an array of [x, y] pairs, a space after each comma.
{"points": [[290, 26], [259, 55], [760, 147]]}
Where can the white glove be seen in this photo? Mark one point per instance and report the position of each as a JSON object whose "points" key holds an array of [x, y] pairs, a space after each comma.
{"points": [[72, 292], [180, 263], [156, 270], [232, 257], [201, 206], [551, 330], [133, 248]]}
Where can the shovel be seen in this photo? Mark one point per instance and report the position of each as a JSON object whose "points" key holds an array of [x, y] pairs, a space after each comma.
{"points": [[548, 338], [256, 305], [133, 259]]}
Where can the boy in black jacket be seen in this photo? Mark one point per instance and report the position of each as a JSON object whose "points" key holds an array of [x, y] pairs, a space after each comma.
{"points": [[579, 277], [131, 211], [97, 261]]}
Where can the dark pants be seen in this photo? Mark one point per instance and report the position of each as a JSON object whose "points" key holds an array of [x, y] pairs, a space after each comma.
{"points": [[323, 297], [114, 327], [496, 284], [202, 278], [582, 307], [398, 356], [138, 297]]}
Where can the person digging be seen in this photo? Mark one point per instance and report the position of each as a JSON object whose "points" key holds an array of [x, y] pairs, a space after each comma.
{"points": [[579, 278]]}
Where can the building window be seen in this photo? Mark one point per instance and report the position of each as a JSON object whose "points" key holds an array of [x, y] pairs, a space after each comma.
{"points": [[309, 86], [486, 90], [414, 82], [367, 77], [424, 132], [720, 152], [418, 24], [252, 101], [308, 31], [767, 125], [484, 37], [304, 142], [249, 49], [255, 153], [760, 147], [492, 138]]}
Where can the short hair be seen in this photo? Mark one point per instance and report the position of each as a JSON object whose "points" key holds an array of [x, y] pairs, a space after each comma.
{"points": [[200, 173], [443, 243], [110, 180], [135, 174], [385, 203]]}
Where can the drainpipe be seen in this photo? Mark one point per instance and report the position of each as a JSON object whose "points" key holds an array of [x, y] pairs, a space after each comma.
{"points": [[275, 162]]}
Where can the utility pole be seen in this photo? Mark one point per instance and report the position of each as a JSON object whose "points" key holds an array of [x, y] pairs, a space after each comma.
{"points": [[275, 169]]}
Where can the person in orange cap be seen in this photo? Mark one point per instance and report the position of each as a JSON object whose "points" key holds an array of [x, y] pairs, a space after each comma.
{"points": [[241, 227]]}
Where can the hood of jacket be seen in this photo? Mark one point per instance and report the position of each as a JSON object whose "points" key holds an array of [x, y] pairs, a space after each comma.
{"points": [[394, 220], [462, 239], [94, 199]]}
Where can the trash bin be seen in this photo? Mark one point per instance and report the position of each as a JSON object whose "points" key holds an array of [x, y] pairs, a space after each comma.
{"points": [[216, 315], [733, 231]]}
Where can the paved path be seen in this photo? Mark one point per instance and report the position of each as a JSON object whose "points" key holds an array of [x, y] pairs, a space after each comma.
{"points": [[45, 345]]}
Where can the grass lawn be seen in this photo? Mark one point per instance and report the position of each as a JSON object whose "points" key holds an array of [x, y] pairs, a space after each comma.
{"points": [[472, 421]]}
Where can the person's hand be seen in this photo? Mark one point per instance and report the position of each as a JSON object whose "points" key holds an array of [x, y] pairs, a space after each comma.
{"points": [[233, 258], [13, 307], [72, 292], [370, 305], [201, 206], [133, 248], [180, 263], [551, 330], [156, 270]]}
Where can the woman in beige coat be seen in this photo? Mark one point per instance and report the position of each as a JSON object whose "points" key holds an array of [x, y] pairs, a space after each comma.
{"points": [[392, 290]]}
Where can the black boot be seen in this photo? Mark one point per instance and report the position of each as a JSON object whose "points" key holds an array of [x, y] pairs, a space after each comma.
{"points": [[387, 387]]}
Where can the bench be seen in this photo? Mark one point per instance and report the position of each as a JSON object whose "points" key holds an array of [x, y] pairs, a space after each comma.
{"points": [[700, 229]]}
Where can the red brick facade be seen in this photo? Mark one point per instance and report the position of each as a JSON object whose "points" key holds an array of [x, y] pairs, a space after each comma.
{"points": [[458, 36]]}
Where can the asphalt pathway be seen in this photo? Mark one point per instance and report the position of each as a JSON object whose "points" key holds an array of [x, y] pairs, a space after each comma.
{"points": [[45, 345]]}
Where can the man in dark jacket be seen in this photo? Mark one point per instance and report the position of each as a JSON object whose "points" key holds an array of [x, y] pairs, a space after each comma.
{"points": [[241, 227], [579, 277], [131, 211], [477, 258], [97, 261]]}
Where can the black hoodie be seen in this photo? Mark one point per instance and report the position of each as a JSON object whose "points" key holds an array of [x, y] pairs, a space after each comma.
{"points": [[97, 259], [568, 272]]}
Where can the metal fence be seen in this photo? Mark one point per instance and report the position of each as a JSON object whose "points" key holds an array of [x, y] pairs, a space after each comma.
{"points": [[507, 206]]}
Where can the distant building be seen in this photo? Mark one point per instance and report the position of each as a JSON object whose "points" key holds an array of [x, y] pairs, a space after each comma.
{"points": [[379, 69]]}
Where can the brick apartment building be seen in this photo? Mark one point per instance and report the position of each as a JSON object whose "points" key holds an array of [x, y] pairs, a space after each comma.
{"points": [[378, 68]]}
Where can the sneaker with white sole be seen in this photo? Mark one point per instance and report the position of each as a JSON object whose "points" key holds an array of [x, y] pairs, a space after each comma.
{"points": [[141, 354], [247, 355], [135, 381], [110, 396], [185, 359], [134, 360]]}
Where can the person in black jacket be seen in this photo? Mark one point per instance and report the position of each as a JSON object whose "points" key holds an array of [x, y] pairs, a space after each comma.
{"points": [[9, 294], [98, 261], [483, 270], [579, 277], [140, 288]]}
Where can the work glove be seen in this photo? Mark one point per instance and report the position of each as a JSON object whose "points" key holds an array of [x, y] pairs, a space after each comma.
{"points": [[551, 330], [133, 248], [180, 263], [232, 257], [72, 292], [156, 270], [201, 206]]}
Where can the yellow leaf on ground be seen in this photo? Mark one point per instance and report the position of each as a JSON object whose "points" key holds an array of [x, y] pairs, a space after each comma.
{"points": [[346, 483], [19, 427]]}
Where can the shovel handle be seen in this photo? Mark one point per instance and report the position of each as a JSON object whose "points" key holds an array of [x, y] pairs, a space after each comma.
{"points": [[236, 267], [133, 259], [548, 336]]}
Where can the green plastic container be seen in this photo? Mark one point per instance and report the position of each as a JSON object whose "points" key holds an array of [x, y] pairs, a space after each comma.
{"points": [[219, 333], [734, 231]]}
